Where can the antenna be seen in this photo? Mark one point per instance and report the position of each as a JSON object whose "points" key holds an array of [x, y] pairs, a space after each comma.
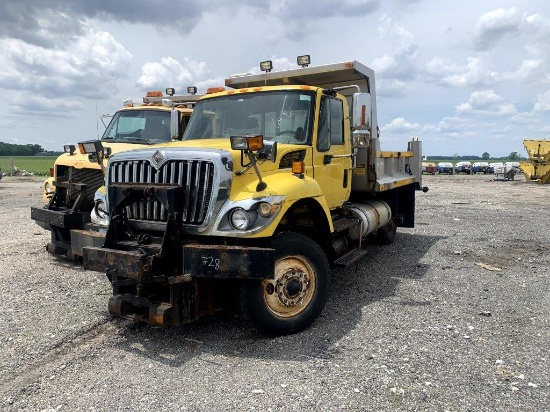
{"points": [[96, 121]]}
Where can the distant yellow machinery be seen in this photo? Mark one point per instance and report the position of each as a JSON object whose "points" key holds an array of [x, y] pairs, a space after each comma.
{"points": [[538, 166]]}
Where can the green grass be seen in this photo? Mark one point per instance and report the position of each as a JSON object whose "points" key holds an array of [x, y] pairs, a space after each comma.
{"points": [[39, 165]]}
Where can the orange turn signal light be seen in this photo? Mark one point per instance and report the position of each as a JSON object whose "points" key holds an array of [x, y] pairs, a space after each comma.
{"points": [[298, 168], [255, 142], [154, 94], [247, 142]]}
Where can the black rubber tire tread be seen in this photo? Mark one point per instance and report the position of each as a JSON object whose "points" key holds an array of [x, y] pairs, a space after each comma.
{"points": [[386, 234], [253, 304]]}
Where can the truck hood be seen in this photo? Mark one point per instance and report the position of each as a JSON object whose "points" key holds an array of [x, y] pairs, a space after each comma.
{"points": [[81, 161], [224, 144]]}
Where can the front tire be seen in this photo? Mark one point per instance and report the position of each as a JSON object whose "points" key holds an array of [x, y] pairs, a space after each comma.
{"points": [[295, 298]]}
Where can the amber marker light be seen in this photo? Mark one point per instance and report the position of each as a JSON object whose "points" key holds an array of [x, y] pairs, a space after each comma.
{"points": [[255, 142], [215, 90], [298, 168]]}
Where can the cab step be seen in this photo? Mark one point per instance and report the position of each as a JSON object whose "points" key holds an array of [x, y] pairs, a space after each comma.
{"points": [[350, 258], [342, 224]]}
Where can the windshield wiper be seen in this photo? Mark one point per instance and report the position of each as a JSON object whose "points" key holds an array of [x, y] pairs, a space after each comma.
{"points": [[139, 140]]}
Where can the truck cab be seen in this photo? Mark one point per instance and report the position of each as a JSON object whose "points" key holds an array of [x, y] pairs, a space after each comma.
{"points": [[69, 194], [275, 181]]}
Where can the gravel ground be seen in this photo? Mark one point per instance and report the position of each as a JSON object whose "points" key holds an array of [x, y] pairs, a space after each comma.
{"points": [[427, 323]]}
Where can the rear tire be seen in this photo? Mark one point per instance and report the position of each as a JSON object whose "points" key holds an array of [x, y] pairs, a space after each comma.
{"points": [[295, 298], [386, 234]]}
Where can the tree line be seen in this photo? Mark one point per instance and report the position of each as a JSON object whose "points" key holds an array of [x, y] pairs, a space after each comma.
{"points": [[11, 149]]}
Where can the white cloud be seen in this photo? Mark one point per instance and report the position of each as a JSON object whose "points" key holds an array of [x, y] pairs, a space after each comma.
{"points": [[399, 125], [171, 73], [473, 73], [542, 104], [396, 69], [24, 104], [493, 26], [486, 102], [527, 71], [88, 67]]}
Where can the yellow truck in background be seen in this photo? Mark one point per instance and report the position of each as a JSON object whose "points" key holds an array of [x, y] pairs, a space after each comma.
{"points": [[275, 181], [538, 166], [70, 193]]}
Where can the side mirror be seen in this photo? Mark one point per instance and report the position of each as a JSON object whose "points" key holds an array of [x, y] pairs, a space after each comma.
{"points": [[269, 151], [175, 133], [361, 110]]}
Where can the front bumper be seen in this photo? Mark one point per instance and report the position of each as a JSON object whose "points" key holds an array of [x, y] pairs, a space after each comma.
{"points": [[199, 261], [187, 285], [64, 219]]}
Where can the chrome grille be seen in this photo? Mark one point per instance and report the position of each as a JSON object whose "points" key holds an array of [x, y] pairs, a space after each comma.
{"points": [[196, 176]]}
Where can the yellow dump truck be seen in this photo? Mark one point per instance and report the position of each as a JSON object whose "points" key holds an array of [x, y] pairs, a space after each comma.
{"points": [[538, 166], [276, 180], [69, 193]]}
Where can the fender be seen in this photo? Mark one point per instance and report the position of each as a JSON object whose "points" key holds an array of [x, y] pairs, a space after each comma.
{"points": [[286, 185]]}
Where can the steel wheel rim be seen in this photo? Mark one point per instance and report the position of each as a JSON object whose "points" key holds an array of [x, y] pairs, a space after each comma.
{"points": [[293, 288]]}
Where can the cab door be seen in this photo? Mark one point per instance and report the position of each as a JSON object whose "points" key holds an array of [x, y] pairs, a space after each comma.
{"points": [[332, 153]]}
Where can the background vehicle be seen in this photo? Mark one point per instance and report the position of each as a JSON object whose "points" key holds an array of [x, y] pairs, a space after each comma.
{"points": [[538, 165], [445, 167], [429, 168], [492, 166], [77, 176], [480, 167], [463, 167], [273, 183], [506, 171]]}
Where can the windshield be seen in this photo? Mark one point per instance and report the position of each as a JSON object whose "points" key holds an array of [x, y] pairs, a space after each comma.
{"points": [[139, 126], [281, 116]]}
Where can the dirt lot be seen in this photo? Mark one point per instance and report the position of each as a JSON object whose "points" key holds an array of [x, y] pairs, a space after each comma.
{"points": [[427, 323]]}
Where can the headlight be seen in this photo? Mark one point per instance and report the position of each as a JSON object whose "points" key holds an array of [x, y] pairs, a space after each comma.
{"points": [[239, 219], [247, 216], [99, 214], [48, 188]]}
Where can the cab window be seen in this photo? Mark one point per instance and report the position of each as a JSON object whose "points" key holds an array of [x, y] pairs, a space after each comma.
{"points": [[331, 124]]}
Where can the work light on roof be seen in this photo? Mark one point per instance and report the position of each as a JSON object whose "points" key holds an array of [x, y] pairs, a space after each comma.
{"points": [[192, 90], [304, 60], [170, 91], [266, 66]]}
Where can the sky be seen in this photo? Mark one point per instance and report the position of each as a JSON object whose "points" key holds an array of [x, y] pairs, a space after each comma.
{"points": [[464, 77]]}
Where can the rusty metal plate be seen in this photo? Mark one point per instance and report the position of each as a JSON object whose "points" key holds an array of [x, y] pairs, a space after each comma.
{"points": [[216, 261], [63, 219], [131, 264], [82, 238]]}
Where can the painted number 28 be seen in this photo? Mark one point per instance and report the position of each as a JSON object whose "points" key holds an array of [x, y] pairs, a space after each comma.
{"points": [[210, 262]]}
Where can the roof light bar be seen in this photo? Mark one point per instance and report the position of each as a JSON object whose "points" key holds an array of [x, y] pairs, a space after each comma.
{"points": [[69, 148], [266, 66], [304, 60]]}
